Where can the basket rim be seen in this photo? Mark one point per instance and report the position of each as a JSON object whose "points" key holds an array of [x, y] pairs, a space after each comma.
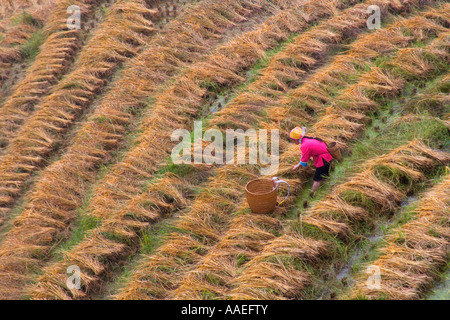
{"points": [[258, 194], [332, 144]]}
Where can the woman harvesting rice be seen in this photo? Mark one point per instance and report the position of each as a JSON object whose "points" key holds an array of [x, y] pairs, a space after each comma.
{"points": [[315, 148]]}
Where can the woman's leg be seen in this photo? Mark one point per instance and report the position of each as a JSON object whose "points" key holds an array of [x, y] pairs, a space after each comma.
{"points": [[321, 174], [316, 185]]}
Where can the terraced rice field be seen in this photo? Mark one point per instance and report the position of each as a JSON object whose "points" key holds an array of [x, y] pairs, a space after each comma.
{"points": [[87, 180]]}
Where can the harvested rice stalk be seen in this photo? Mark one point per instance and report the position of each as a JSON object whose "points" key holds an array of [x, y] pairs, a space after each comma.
{"points": [[58, 111], [272, 274], [209, 214], [11, 7], [288, 68], [360, 96], [113, 238], [367, 190], [414, 251], [333, 215], [245, 238], [19, 28], [55, 56]]}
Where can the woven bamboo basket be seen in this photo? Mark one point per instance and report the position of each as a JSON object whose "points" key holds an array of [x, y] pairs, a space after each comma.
{"points": [[262, 196], [334, 150]]}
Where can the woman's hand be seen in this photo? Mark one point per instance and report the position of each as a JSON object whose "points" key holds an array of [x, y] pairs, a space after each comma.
{"points": [[296, 166]]}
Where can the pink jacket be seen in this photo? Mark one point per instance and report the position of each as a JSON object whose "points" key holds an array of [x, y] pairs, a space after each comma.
{"points": [[316, 149]]}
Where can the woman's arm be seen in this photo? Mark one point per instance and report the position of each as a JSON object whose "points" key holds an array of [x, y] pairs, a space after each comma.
{"points": [[303, 164], [306, 154]]}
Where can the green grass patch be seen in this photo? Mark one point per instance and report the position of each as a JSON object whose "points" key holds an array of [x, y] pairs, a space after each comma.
{"points": [[151, 238], [83, 225], [441, 290], [30, 49], [181, 170], [24, 18]]}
